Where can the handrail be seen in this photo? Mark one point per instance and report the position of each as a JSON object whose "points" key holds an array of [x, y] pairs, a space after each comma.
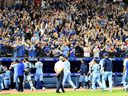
{"points": [[56, 59]]}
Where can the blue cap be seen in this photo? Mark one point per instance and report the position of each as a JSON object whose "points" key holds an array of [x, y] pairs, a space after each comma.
{"points": [[96, 59], [65, 56], [106, 54], [21, 59], [17, 60], [55, 30]]}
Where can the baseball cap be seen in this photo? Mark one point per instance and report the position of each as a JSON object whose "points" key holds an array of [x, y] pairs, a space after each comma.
{"points": [[96, 59], [65, 56], [21, 59], [106, 54], [17, 60]]}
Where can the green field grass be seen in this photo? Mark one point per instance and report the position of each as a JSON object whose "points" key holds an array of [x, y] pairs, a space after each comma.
{"points": [[73, 93]]}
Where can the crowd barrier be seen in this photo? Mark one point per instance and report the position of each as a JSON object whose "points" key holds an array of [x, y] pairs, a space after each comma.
{"points": [[56, 59]]}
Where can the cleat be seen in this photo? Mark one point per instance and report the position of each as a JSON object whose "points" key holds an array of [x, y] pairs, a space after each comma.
{"points": [[126, 89], [74, 88], [33, 89], [43, 88], [103, 89], [57, 92]]}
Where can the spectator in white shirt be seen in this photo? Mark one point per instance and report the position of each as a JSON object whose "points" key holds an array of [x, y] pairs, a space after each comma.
{"points": [[59, 67]]}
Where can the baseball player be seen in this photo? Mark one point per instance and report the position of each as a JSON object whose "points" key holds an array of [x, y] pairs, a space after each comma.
{"points": [[96, 75], [101, 68], [7, 77], [125, 72], [67, 73], [20, 75], [90, 72], [1, 75], [39, 73], [83, 74], [28, 75], [107, 71], [15, 79]]}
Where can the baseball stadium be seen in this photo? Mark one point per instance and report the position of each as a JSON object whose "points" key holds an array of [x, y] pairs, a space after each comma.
{"points": [[63, 47]]}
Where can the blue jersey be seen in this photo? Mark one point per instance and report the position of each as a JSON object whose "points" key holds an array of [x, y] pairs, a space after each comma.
{"points": [[20, 51], [96, 69], [1, 24], [107, 64], [67, 66], [20, 69], [65, 50], [84, 69], [39, 67], [14, 66], [7, 75], [127, 67], [72, 54], [47, 49], [32, 51]]}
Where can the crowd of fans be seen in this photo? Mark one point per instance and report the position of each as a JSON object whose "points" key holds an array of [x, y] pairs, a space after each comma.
{"points": [[75, 28]]}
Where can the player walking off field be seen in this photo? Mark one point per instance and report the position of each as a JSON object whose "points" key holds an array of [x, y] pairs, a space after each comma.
{"points": [[125, 73], [107, 71], [15, 78], [1, 75], [28, 75], [84, 70], [67, 73], [101, 68], [39, 73], [96, 75]]}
